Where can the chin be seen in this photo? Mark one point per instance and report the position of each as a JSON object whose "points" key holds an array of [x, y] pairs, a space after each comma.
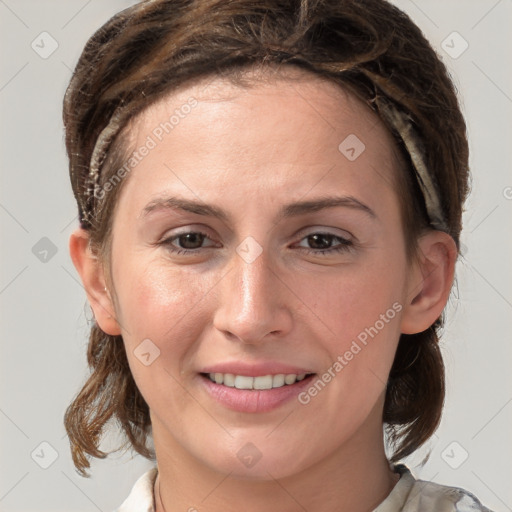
{"points": [[262, 470], [259, 460]]}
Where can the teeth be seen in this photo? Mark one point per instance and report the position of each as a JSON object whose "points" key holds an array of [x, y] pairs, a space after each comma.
{"points": [[264, 382], [242, 382]]}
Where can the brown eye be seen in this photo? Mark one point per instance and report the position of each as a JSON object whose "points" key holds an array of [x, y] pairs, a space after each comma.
{"points": [[190, 241], [325, 243], [320, 241]]}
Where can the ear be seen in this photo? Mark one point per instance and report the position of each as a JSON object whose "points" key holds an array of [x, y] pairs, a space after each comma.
{"points": [[429, 282], [91, 272]]}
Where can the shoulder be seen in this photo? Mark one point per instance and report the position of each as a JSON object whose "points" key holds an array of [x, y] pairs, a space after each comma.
{"points": [[141, 497], [421, 495]]}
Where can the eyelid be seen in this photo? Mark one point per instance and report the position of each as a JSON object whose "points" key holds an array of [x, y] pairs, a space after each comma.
{"points": [[188, 228], [173, 236], [325, 230], [301, 234], [346, 241]]}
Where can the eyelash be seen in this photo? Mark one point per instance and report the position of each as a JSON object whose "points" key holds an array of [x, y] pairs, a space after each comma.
{"points": [[344, 246]]}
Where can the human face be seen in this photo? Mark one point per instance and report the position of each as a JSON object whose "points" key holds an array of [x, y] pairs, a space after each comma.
{"points": [[256, 290]]}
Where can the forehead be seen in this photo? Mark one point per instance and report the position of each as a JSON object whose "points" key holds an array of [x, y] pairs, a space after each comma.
{"points": [[274, 128], [266, 89]]}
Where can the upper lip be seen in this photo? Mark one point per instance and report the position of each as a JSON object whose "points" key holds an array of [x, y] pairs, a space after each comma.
{"points": [[255, 369]]}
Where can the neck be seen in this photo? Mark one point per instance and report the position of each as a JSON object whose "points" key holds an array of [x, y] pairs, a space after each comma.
{"points": [[356, 478]]}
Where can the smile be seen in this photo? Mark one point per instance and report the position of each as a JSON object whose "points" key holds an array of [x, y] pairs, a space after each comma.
{"points": [[257, 383], [241, 392]]}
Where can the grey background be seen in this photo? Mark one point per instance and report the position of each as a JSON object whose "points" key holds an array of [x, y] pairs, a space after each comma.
{"points": [[43, 306]]}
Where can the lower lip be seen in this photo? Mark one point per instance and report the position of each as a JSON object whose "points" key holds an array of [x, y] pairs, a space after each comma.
{"points": [[246, 400]]}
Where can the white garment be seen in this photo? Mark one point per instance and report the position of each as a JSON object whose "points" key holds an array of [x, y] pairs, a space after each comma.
{"points": [[408, 495]]}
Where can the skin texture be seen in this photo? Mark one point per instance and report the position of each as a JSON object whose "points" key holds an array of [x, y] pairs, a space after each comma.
{"points": [[250, 152]]}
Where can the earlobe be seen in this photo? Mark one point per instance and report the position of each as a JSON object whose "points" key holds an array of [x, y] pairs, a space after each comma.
{"points": [[91, 273], [429, 282]]}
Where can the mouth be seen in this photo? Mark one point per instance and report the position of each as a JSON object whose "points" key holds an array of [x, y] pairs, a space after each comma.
{"points": [[260, 394], [261, 383], [255, 387]]}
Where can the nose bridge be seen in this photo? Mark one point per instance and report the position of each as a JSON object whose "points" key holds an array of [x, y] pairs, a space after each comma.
{"points": [[254, 286], [250, 304]]}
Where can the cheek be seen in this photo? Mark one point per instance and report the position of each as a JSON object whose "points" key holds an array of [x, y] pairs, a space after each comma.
{"points": [[361, 309], [158, 301], [168, 308], [352, 299], [358, 313]]}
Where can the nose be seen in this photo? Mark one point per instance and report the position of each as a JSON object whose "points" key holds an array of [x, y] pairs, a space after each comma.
{"points": [[252, 303]]}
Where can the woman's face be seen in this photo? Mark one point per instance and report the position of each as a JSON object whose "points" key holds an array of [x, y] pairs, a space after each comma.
{"points": [[226, 251]]}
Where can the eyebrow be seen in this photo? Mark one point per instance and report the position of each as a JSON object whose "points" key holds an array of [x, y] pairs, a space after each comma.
{"points": [[287, 211]]}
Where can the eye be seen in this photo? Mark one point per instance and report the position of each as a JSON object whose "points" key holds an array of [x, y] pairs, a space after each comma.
{"points": [[189, 241], [317, 243], [322, 243]]}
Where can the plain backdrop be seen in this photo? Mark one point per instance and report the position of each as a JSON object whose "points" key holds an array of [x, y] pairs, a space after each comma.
{"points": [[44, 316]]}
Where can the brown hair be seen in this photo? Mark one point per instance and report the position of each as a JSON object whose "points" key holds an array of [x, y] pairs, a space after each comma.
{"points": [[154, 47]]}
